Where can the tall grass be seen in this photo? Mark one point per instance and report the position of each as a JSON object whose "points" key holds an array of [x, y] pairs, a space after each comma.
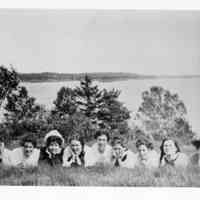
{"points": [[100, 176]]}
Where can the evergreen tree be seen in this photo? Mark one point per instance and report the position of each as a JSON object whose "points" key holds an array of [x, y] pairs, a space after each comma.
{"points": [[112, 112], [88, 98], [101, 107], [65, 102]]}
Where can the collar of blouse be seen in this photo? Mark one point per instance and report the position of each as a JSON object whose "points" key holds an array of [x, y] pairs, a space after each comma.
{"points": [[50, 155], [169, 159]]}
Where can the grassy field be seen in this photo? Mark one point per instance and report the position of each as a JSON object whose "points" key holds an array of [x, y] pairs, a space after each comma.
{"points": [[99, 176], [103, 176]]}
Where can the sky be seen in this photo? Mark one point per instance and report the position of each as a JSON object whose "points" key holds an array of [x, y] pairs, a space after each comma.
{"points": [[74, 41]]}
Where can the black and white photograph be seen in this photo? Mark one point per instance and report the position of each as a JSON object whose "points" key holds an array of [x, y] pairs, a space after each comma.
{"points": [[94, 97]]}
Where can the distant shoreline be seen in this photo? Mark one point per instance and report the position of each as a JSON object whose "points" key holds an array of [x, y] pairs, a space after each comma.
{"points": [[102, 77]]}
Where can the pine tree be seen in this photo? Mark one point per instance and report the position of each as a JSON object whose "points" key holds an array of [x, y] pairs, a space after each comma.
{"points": [[101, 107], [65, 102], [88, 98], [112, 112]]}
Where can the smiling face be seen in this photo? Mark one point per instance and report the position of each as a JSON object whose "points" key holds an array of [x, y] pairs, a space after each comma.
{"points": [[54, 148], [102, 141], [169, 147], [118, 150], [28, 149], [76, 146], [143, 152]]}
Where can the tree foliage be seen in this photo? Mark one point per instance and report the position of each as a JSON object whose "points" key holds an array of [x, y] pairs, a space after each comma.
{"points": [[65, 102], [69, 125], [20, 105], [9, 81], [23, 115], [100, 106], [163, 114], [112, 112], [89, 97]]}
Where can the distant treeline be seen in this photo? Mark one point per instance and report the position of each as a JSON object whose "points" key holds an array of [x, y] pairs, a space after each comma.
{"points": [[50, 77], [100, 76]]}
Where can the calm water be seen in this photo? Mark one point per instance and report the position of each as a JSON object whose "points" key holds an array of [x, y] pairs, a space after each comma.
{"points": [[187, 89]]}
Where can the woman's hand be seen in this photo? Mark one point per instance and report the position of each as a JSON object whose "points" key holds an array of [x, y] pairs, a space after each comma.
{"points": [[21, 165]]}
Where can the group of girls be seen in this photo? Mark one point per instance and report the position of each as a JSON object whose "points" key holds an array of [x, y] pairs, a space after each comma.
{"points": [[78, 154]]}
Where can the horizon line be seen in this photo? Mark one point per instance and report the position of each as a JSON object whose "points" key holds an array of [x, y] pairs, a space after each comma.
{"points": [[139, 74]]}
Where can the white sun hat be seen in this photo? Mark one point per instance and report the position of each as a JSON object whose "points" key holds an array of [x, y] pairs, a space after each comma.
{"points": [[54, 133]]}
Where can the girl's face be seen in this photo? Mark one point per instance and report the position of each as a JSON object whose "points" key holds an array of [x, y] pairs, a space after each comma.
{"points": [[28, 149], [118, 150], [54, 148], [102, 142], [76, 146], [169, 147], [143, 152]]}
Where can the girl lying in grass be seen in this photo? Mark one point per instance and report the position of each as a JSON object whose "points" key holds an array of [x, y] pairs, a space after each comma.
{"points": [[27, 155], [171, 154], [122, 156], [52, 153], [195, 158], [146, 157], [5, 154], [77, 153], [101, 151]]}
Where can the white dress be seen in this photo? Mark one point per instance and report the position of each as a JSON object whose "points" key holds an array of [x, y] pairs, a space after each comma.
{"points": [[69, 157], [18, 158], [151, 162], [6, 157], [181, 161], [96, 157]]}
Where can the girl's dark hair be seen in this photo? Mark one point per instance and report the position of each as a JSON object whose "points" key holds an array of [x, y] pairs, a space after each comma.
{"points": [[102, 132], [196, 143], [162, 153], [118, 140], [146, 142], [30, 139], [78, 138], [54, 139]]}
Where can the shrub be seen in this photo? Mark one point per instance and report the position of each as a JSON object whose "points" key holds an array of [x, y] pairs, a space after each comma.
{"points": [[163, 114], [65, 102], [9, 81], [72, 124]]}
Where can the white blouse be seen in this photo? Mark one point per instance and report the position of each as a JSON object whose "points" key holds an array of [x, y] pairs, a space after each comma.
{"points": [[181, 160], [68, 153], [6, 157], [151, 162], [96, 157], [18, 158]]}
